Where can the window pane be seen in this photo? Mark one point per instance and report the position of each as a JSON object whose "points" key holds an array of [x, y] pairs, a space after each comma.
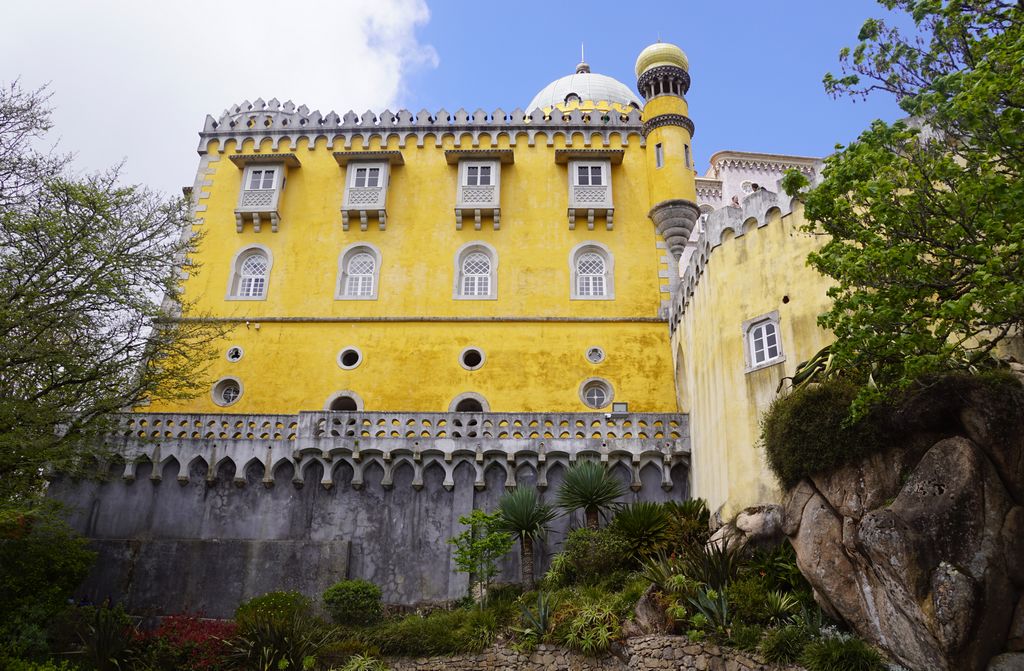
{"points": [[255, 179], [360, 180], [485, 175], [582, 176], [471, 175], [595, 175], [268, 179], [758, 339], [373, 179]]}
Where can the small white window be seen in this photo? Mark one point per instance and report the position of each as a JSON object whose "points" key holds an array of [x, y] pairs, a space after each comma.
{"points": [[589, 175], [596, 393], [659, 156], [478, 175], [591, 267], [251, 274], [472, 358], [475, 270], [366, 177], [261, 178], [349, 358], [358, 273], [763, 343], [234, 353], [595, 355]]}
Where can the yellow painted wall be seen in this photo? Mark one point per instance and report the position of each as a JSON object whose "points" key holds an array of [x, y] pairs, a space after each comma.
{"points": [[744, 278], [536, 365], [675, 179]]}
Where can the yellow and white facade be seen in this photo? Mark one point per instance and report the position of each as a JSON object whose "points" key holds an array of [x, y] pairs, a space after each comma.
{"points": [[564, 260]]}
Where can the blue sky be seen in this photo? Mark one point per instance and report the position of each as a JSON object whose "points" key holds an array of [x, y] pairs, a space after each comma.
{"points": [[132, 82], [756, 67]]}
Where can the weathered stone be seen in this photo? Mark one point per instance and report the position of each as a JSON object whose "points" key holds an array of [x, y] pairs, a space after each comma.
{"points": [[1010, 661], [649, 616], [1015, 639]]}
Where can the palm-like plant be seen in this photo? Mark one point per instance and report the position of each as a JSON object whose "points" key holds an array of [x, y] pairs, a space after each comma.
{"points": [[645, 527], [523, 515], [588, 485]]}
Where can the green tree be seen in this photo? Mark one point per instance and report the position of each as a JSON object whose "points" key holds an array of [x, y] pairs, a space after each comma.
{"points": [[480, 546], [89, 295], [521, 513], [589, 486], [926, 231]]}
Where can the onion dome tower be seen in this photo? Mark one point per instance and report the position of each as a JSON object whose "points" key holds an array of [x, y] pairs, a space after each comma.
{"points": [[663, 80]]}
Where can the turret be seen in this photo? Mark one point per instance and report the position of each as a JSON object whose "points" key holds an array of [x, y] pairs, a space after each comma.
{"points": [[663, 80]]}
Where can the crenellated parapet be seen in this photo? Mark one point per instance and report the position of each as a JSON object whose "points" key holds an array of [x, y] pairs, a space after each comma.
{"points": [[262, 447], [279, 122]]}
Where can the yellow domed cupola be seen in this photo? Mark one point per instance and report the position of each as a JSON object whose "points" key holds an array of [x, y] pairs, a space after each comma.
{"points": [[661, 53]]}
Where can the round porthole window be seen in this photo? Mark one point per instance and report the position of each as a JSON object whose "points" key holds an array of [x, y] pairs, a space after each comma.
{"points": [[596, 393], [595, 355], [471, 358], [234, 353], [227, 391], [349, 358]]}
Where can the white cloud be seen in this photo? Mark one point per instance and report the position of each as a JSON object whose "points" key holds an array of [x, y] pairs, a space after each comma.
{"points": [[133, 81]]}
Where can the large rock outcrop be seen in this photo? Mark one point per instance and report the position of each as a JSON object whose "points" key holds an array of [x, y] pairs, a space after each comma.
{"points": [[920, 548]]}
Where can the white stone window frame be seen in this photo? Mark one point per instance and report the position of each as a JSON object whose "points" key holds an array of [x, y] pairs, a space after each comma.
{"points": [[241, 353], [473, 348], [609, 271], [460, 255], [343, 259], [464, 172], [235, 279], [217, 389], [344, 392], [659, 155], [749, 327], [598, 352], [596, 381], [466, 395], [353, 174], [341, 354], [606, 172], [278, 184]]}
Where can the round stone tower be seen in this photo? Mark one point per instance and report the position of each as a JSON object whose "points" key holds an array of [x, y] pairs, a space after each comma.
{"points": [[663, 80]]}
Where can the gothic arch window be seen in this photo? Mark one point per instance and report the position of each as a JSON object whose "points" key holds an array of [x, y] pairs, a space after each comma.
{"points": [[591, 266], [250, 274], [762, 342], [476, 272], [358, 273]]}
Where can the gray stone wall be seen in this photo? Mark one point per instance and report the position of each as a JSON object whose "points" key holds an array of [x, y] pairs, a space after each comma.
{"points": [[644, 653], [184, 539]]}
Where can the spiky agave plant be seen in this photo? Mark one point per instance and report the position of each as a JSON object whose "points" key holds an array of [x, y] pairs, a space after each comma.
{"points": [[645, 526], [522, 514], [588, 485]]}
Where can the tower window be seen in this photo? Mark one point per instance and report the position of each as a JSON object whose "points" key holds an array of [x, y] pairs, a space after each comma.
{"points": [[686, 152], [251, 272], [590, 175], [358, 273], [366, 177], [659, 156], [262, 178], [475, 270], [478, 175], [763, 344], [596, 393], [591, 267]]}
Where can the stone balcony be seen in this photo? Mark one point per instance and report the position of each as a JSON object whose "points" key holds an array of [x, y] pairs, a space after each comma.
{"points": [[258, 205], [363, 203], [243, 444], [591, 201], [477, 201]]}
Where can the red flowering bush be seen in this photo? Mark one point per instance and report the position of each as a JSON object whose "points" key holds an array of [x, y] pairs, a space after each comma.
{"points": [[189, 642]]}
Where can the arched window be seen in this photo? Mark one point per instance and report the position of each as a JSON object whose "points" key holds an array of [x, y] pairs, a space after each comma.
{"points": [[476, 272], [469, 401], [763, 345], [358, 273], [251, 272], [591, 266], [596, 393]]}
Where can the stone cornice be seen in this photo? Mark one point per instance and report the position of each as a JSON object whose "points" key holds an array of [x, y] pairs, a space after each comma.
{"points": [[667, 120], [279, 122], [762, 162], [663, 71]]}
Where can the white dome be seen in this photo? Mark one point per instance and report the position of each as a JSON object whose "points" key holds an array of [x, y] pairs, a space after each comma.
{"points": [[588, 86]]}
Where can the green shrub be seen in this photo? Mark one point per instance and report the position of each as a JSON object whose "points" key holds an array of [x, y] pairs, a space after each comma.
{"points": [[279, 637], [778, 570], [440, 633], [274, 604], [644, 526], [592, 629], [745, 636], [841, 654], [364, 663], [785, 644], [808, 432], [353, 602], [748, 599], [688, 523], [713, 565], [590, 555], [109, 640], [12, 664], [42, 562]]}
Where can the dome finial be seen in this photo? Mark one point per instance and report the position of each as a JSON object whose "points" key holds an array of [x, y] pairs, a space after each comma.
{"points": [[583, 67]]}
